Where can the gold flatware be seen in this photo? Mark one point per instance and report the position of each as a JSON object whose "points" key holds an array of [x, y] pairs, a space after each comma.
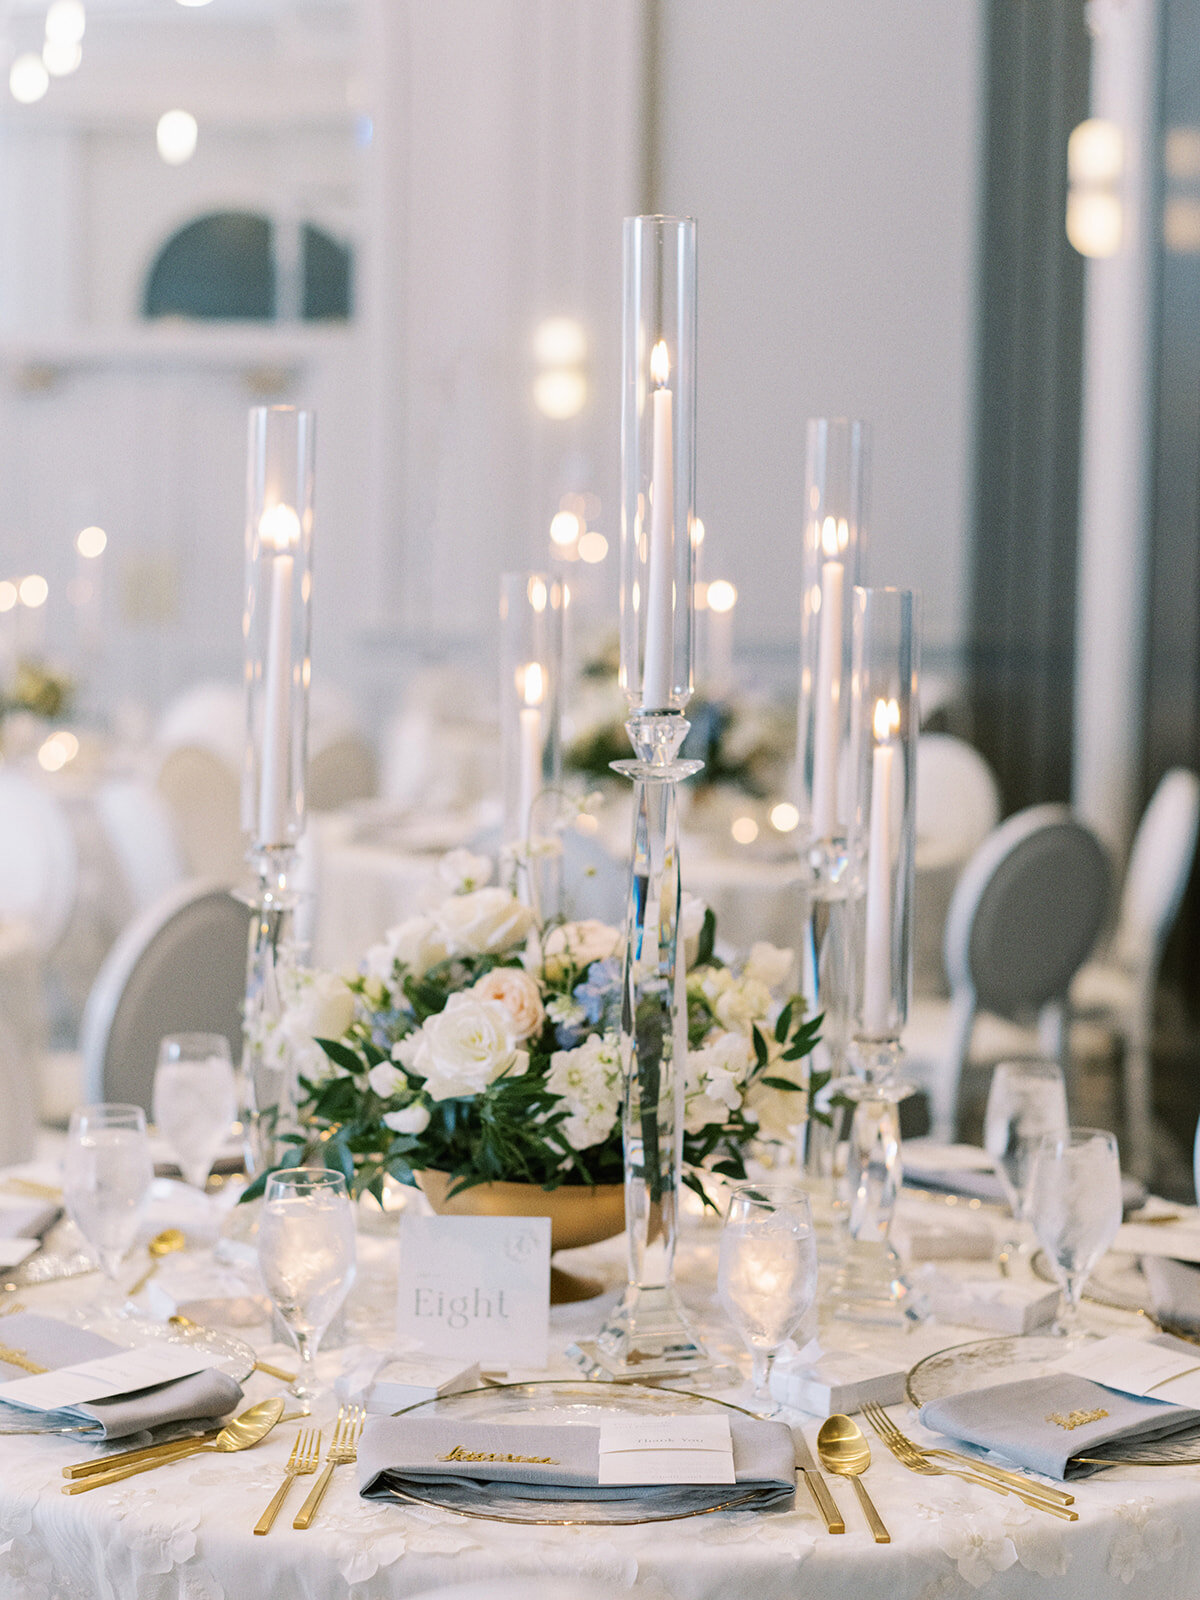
{"points": [[30, 1189], [259, 1366], [844, 1451], [305, 1458], [817, 1486], [164, 1449], [12, 1357], [917, 1459], [163, 1244], [881, 1422], [245, 1430], [343, 1449]]}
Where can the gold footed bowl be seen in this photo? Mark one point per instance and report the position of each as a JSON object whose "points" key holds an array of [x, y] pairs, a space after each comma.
{"points": [[578, 1216]]}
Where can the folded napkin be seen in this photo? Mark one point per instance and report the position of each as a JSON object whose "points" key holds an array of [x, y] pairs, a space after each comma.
{"points": [[1046, 1423], [542, 1461], [22, 1218], [1174, 1292], [51, 1344]]}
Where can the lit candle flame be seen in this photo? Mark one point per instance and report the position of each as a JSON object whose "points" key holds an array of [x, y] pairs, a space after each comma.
{"points": [[887, 719], [279, 527], [829, 537], [660, 364], [533, 688]]}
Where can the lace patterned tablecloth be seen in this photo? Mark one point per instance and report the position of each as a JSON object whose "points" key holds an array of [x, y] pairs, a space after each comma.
{"points": [[184, 1532]]}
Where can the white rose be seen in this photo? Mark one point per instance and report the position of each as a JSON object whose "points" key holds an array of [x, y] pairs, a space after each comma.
{"points": [[692, 912], [744, 1001], [386, 1080], [518, 994], [464, 1048], [768, 964], [462, 870], [484, 922], [329, 1006], [416, 943], [316, 1005], [413, 1119], [578, 944]]}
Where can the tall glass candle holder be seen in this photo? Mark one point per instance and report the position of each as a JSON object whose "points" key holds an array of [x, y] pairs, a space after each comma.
{"points": [[835, 489], [648, 1333], [277, 627], [836, 474], [882, 846], [531, 645]]}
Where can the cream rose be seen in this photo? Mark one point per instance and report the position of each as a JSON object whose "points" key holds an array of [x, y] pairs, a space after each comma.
{"points": [[462, 871], [768, 964], [578, 944], [484, 922], [518, 994], [464, 1048], [417, 943]]}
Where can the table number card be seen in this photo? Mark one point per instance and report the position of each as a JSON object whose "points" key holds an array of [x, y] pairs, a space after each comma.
{"points": [[477, 1288]]}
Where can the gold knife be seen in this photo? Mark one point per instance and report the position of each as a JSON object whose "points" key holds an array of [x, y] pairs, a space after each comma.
{"points": [[817, 1486]]}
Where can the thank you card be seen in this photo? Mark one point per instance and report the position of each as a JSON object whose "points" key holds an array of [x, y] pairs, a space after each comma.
{"points": [[477, 1288]]}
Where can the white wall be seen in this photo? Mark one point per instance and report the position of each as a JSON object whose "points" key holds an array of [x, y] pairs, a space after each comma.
{"points": [[828, 149]]}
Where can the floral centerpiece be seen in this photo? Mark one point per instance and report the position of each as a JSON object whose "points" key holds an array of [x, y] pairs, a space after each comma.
{"points": [[477, 1044]]}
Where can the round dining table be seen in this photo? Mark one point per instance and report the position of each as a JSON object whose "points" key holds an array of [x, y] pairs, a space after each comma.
{"points": [[184, 1531]]}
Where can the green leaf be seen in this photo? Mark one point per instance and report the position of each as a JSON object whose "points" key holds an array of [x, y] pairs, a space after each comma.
{"points": [[761, 1054], [341, 1055], [784, 1022], [785, 1084], [708, 937]]}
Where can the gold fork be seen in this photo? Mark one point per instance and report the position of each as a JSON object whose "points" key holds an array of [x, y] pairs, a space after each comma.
{"points": [[917, 1460], [305, 1458], [343, 1449], [1017, 1481]]}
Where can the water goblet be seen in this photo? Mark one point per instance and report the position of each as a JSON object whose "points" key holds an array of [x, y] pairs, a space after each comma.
{"points": [[1026, 1100], [195, 1099], [767, 1273], [1075, 1205], [107, 1173], [306, 1254]]}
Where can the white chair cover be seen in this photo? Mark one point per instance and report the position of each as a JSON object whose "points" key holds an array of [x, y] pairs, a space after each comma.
{"points": [[1024, 917], [39, 866], [178, 968], [958, 805], [140, 832]]}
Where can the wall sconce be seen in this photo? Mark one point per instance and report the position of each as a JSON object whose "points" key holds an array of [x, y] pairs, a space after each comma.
{"points": [[1095, 166]]}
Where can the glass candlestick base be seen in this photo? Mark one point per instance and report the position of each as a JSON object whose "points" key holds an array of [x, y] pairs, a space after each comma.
{"points": [[870, 1286]]}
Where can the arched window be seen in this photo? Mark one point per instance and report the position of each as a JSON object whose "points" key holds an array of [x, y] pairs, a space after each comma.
{"points": [[223, 266]]}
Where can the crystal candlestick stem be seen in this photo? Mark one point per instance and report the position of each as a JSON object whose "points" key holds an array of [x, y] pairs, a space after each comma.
{"points": [[648, 1332]]}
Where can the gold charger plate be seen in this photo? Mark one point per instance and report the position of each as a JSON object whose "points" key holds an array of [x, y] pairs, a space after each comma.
{"points": [[565, 1401]]}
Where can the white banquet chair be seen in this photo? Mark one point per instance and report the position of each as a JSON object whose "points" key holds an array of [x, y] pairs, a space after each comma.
{"points": [[180, 967], [1024, 917], [140, 832], [1118, 989], [39, 862], [958, 805]]}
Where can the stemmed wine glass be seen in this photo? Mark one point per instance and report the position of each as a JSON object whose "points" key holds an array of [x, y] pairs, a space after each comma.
{"points": [[107, 1173], [195, 1099], [306, 1255], [767, 1275], [1075, 1205], [1026, 1100]]}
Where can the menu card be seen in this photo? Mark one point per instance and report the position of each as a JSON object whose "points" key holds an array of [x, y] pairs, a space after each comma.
{"points": [[123, 1372], [643, 1450], [1155, 1369]]}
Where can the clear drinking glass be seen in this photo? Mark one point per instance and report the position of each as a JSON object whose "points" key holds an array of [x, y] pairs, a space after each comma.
{"points": [[1075, 1206], [1026, 1100], [195, 1099], [767, 1275], [306, 1256], [107, 1172]]}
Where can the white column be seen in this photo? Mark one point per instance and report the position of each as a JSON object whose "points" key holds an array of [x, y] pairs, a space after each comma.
{"points": [[1114, 490]]}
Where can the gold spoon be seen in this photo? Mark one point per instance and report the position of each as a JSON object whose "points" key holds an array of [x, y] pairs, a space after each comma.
{"points": [[181, 1321], [246, 1430], [163, 1244], [843, 1449]]}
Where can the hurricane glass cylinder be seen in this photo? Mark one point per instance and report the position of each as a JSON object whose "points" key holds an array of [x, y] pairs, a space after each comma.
{"points": [[277, 622], [531, 642], [834, 523], [658, 431]]}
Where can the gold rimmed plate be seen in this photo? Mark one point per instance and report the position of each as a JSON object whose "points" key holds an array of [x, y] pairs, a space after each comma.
{"points": [[562, 1402], [1016, 1358]]}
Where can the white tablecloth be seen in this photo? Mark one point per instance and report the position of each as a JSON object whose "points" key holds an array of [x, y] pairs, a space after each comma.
{"points": [[184, 1532]]}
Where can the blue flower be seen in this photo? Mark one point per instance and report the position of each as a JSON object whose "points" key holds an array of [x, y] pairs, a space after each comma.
{"points": [[600, 994]]}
